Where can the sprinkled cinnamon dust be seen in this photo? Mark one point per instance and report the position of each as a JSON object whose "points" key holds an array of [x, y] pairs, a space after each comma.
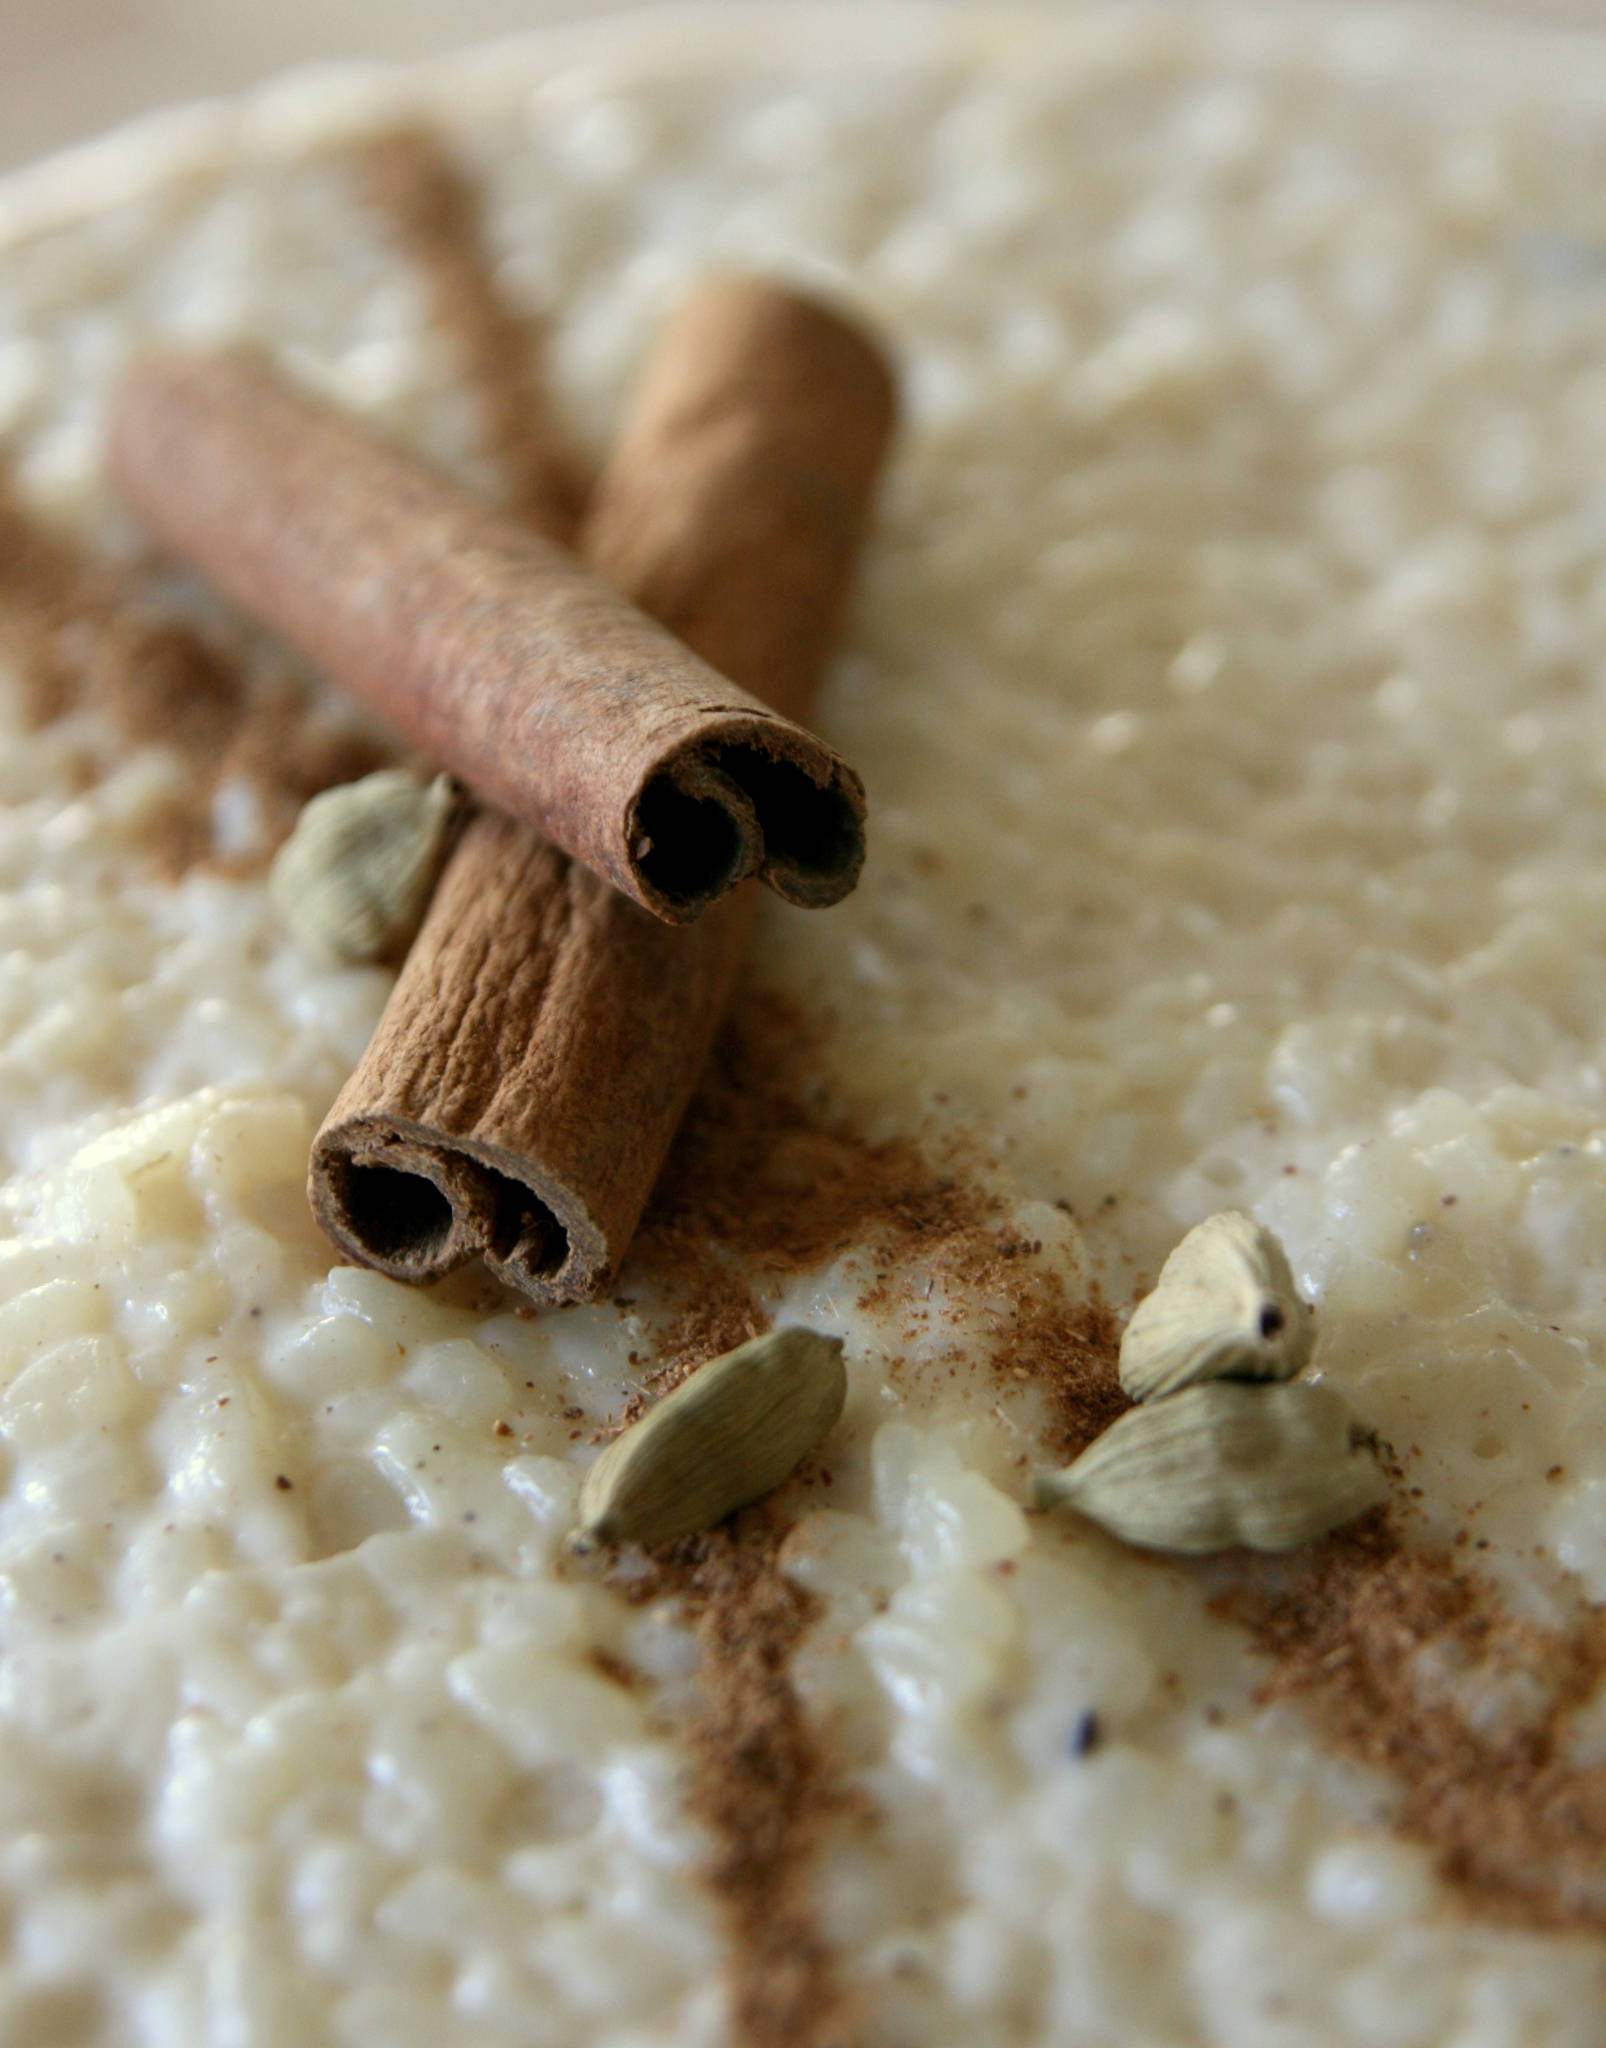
{"points": [[41, 585], [1371, 1634], [83, 632], [763, 1788], [764, 1181], [434, 214]]}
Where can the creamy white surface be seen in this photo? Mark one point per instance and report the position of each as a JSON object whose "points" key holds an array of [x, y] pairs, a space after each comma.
{"points": [[1232, 637]]}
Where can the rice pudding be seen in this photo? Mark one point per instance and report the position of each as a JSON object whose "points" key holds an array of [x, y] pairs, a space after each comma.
{"points": [[1225, 673]]}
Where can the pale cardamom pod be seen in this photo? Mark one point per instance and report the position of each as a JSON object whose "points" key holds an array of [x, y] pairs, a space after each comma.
{"points": [[1269, 1467], [353, 880], [1224, 1307], [728, 1434]]}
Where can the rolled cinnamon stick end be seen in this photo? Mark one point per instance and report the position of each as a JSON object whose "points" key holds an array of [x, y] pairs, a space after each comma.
{"points": [[532, 1066], [545, 1035], [485, 645]]}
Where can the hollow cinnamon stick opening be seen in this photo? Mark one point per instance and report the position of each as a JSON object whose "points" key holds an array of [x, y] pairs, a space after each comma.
{"points": [[545, 1035], [489, 647]]}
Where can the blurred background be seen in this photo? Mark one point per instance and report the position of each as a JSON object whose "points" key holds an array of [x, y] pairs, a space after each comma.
{"points": [[69, 68]]}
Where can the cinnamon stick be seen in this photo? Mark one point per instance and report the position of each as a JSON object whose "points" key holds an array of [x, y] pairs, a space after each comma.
{"points": [[545, 1035], [487, 646]]}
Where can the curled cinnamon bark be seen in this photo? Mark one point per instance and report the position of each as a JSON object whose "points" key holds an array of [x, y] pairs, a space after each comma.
{"points": [[488, 647], [545, 1035]]}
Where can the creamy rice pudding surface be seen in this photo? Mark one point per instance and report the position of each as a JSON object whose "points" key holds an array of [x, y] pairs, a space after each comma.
{"points": [[1227, 677]]}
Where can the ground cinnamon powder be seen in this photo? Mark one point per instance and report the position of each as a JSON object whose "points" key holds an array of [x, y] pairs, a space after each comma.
{"points": [[763, 1787], [83, 632], [1361, 1629], [764, 1181], [434, 213], [40, 590]]}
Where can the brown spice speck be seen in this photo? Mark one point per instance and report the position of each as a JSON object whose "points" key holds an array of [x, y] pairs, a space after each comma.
{"points": [[614, 1668]]}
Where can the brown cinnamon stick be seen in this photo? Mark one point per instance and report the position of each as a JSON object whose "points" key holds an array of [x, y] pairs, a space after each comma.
{"points": [[487, 646], [545, 1035]]}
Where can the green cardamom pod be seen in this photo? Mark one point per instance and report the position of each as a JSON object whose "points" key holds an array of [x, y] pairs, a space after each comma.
{"points": [[1269, 1467], [1225, 1307], [727, 1435], [353, 880]]}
